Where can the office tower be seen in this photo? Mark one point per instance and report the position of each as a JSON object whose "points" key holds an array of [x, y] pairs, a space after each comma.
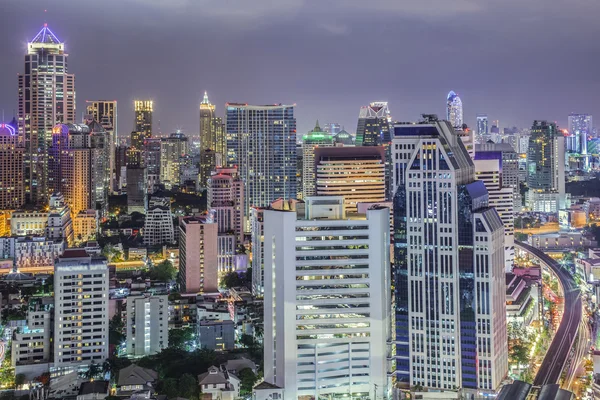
{"points": [[147, 324], [580, 125], [257, 232], [356, 173], [121, 153], [70, 166], [105, 113], [158, 226], [315, 138], [374, 130], [101, 147], [152, 154], [509, 168], [546, 168], [198, 255], [454, 110], [226, 203], [489, 169], [261, 141], [172, 151], [46, 97], [142, 130], [81, 310], [300, 170], [12, 190], [208, 162], [449, 265], [343, 138], [332, 128], [327, 298], [212, 137], [482, 128], [60, 224], [137, 189]]}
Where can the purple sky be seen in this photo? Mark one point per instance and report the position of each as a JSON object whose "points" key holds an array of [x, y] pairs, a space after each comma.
{"points": [[514, 60]]}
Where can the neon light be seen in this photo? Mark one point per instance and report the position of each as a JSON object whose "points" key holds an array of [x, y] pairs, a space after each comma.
{"points": [[9, 128]]}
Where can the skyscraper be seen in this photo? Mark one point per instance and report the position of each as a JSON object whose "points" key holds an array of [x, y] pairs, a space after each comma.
{"points": [[142, 129], [198, 254], [581, 125], [327, 303], [315, 138], [212, 137], [546, 168], [12, 191], [105, 113], [482, 128], [356, 173], [449, 265], [261, 141], [173, 149], [454, 110], [46, 97]]}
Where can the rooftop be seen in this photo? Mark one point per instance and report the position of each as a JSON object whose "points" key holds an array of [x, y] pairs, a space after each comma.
{"points": [[45, 35]]}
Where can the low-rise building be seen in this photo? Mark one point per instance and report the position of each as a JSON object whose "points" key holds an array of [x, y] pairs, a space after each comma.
{"points": [[267, 391], [147, 325], [522, 300], [216, 335], [134, 379], [183, 312], [219, 384], [85, 225], [28, 223], [60, 225], [561, 241], [31, 252], [93, 390]]}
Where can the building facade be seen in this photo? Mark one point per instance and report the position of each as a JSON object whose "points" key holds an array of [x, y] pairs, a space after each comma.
{"points": [[173, 149], [454, 110], [314, 138], [482, 129], [198, 258], [449, 265], [105, 113], [81, 307], [12, 151], [142, 130], [261, 141], [158, 226], [327, 298], [147, 324], [212, 138], [46, 97]]}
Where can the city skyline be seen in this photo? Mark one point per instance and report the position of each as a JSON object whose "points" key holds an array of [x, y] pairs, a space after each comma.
{"points": [[521, 93]]}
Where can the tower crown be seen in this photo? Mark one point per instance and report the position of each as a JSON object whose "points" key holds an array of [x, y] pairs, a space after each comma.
{"points": [[46, 36]]}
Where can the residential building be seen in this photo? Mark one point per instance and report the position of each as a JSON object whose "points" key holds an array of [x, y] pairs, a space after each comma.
{"points": [[134, 379], [28, 223], [85, 225], [105, 113], [212, 140], [12, 149], [261, 141], [158, 226], [449, 266], [31, 343], [60, 225], [147, 324], [198, 254], [546, 168], [219, 384], [454, 110], [307, 277], [216, 335], [356, 173], [81, 306], [121, 153], [142, 130], [137, 189], [172, 152], [152, 158], [46, 97], [33, 253], [314, 138], [93, 390]]}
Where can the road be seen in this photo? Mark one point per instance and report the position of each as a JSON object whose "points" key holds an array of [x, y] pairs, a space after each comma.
{"points": [[560, 348]]}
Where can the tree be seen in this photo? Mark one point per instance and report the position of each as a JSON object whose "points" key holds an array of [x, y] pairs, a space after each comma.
{"points": [[178, 338], [188, 386], [231, 279], [93, 371], [248, 380], [115, 330], [168, 387], [115, 364], [20, 380], [163, 272]]}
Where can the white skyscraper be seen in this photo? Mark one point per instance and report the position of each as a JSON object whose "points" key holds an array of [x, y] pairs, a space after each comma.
{"points": [[327, 301], [449, 260], [454, 110], [147, 324], [81, 310]]}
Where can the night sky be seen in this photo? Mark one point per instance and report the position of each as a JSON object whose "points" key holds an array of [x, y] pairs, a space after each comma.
{"points": [[514, 60]]}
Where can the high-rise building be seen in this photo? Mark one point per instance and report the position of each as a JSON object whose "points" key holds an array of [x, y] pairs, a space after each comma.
{"points": [[198, 254], [580, 125], [327, 303], [356, 173], [173, 149], [488, 169], [12, 190], [509, 168], [261, 141], [449, 265], [105, 113], [101, 147], [81, 310], [212, 137], [158, 225], [454, 110], [343, 138], [147, 324], [546, 168], [46, 97], [152, 158], [137, 189], [142, 130], [482, 128], [315, 138], [332, 128], [226, 203], [121, 153]]}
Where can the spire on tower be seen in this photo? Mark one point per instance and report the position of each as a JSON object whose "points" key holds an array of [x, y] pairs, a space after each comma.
{"points": [[46, 36], [205, 100]]}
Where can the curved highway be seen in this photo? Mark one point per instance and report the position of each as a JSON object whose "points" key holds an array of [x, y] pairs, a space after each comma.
{"points": [[560, 348]]}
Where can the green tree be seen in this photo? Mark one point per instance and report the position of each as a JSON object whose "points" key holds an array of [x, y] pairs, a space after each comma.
{"points": [[93, 371], [231, 279], [188, 386], [247, 381], [163, 272], [179, 337], [20, 380], [115, 330], [168, 387]]}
